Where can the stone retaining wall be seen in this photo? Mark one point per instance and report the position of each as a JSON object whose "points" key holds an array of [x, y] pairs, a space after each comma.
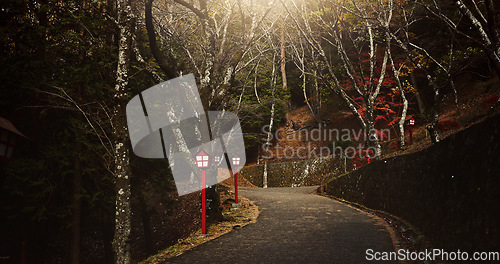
{"points": [[292, 174], [450, 191]]}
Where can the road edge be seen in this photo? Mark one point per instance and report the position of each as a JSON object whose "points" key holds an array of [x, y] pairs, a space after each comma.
{"points": [[403, 235]]}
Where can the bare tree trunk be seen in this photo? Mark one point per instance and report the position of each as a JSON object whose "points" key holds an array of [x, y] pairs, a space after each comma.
{"points": [[245, 83], [121, 241], [432, 128], [485, 26], [435, 116], [255, 83], [304, 90], [314, 108], [165, 64], [372, 132], [402, 121], [271, 122], [307, 100], [282, 57], [299, 60], [264, 175], [490, 41], [283, 67], [396, 73]]}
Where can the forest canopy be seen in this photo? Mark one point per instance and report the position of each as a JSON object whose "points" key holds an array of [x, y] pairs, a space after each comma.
{"points": [[68, 68]]}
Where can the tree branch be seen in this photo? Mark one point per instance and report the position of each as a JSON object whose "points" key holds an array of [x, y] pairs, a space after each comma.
{"points": [[168, 70]]}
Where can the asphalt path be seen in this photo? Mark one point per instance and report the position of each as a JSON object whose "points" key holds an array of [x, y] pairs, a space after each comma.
{"points": [[295, 226]]}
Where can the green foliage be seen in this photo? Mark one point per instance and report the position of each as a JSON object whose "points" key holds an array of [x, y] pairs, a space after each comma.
{"points": [[255, 117], [54, 56]]}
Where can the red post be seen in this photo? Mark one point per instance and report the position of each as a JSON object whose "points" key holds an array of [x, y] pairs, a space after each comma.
{"points": [[203, 204], [236, 163], [236, 186], [411, 135]]}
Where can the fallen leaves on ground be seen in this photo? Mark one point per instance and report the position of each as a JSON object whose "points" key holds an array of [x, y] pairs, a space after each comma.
{"points": [[233, 218]]}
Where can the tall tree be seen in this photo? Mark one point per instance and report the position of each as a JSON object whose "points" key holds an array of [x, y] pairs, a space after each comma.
{"points": [[306, 61], [423, 57], [271, 122], [203, 35], [481, 16], [325, 26], [121, 241]]}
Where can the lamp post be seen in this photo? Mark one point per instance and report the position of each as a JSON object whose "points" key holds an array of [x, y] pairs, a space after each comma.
{"points": [[236, 162], [411, 123], [217, 160], [202, 163]]}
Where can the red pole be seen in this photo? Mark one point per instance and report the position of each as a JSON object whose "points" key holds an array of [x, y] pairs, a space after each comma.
{"points": [[236, 186], [411, 135], [203, 204]]}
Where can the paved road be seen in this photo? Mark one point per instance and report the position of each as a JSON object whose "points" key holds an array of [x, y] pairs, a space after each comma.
{"points": [[296, 227]]}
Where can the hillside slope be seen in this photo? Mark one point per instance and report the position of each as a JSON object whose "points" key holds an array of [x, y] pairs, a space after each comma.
{"points": [[301, 138]]}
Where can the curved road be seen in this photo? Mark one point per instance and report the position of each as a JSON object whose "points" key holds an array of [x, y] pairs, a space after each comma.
{"points": [[296, 227]]}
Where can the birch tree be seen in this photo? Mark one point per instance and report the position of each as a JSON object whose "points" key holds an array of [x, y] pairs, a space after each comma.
{"points": [[121, 241], [417, 53], [213, 46], [481, 16], [396, 71], [305, 60], [324, 28], [202, 37], [271, 122]]}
